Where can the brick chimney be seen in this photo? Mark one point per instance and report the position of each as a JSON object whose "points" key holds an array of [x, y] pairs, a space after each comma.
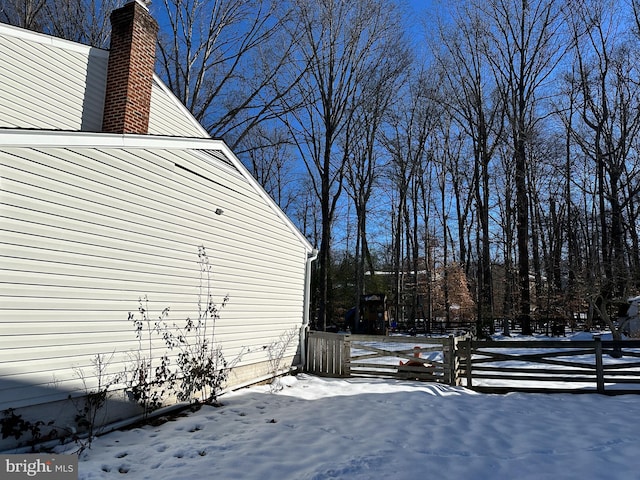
{"points": [[130, 70]]}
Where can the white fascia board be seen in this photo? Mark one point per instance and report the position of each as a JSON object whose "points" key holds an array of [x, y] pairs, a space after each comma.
{"points": [[64, 139]]}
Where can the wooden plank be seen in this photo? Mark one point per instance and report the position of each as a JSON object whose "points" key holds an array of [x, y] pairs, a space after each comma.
{"points": [[589, 370], [361, 346], [537, 378], [537, 344], [505, 390], [417, 369], [468, 362], [635, 381], [396, 339], [609, 344], [370, 356], [346, 348], [329, 335], [533, 357], [621, 373], [621, 366], [527, 359], [625, 353], [373, 373], [357, 365], [389, 353], [454, 372]]}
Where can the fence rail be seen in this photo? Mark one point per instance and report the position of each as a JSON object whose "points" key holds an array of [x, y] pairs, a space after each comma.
{"points": [[600, 366]]}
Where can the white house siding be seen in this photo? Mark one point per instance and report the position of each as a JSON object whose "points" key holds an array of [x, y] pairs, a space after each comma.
{"points": [[86, 232], [169, 117], [40, 74]]}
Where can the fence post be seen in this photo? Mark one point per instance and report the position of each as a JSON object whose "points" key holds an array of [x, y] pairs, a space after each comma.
{"points": [[346, 355], [446, 353], [311, 353], [599, 365], [468, 347], [454, 365]]}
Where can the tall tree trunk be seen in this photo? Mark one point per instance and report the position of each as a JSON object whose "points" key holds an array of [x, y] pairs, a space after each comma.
{"points": [[522, 231]]}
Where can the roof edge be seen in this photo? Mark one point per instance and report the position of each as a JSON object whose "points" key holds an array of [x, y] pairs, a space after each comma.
{"points": [[262, 192], [45, 39]]}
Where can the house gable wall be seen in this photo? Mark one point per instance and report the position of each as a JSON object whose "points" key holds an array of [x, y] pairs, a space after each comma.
{"points": [[40, 74], [85, 233], [93, 224]]}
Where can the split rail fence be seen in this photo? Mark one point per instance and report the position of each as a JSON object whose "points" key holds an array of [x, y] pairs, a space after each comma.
{"points": [[600, 366]]}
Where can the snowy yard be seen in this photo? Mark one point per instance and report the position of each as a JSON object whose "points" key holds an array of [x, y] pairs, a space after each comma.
{"points": [[319, 428]]}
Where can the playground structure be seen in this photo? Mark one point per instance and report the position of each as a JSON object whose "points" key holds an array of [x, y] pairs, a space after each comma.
{"points": [[373, 318]]}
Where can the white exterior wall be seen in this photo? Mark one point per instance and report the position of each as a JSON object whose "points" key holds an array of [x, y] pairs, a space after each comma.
{"points": [[40, 74], [169, 117], [85, 232]]}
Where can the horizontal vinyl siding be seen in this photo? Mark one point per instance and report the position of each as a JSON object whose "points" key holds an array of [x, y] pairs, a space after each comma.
{"points": [[86, 233], [60, 85], [168, 117], [37, 79]]}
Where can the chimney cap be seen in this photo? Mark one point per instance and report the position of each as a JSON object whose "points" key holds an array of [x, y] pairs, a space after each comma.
{"points": [[143, 3]]}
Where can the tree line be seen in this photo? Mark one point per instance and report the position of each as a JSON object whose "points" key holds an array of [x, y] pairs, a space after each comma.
{"points": [[485, 165]]}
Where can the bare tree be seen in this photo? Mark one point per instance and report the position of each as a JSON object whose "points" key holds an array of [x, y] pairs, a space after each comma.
{"points": [[223, 59], [473, 103], [608, 101], [409, 125], [270, 157], [82, 21], [29, 14], [364, 168], [524, 47], [339, 44], [504, 181]]}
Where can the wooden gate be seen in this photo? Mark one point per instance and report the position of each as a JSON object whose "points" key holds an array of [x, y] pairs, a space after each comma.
{"points": [[327, 354], [344, 355]]}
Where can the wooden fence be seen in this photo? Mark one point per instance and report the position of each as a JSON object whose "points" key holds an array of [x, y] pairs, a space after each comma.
{"points": [[490, 366], [601, 366], [337, 355]]}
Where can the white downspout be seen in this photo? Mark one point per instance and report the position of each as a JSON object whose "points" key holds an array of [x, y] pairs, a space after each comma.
{"points": [[311, 256]]}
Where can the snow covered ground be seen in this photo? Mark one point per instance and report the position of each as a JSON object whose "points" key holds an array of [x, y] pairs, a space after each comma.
{"points": [[319, 428]]}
